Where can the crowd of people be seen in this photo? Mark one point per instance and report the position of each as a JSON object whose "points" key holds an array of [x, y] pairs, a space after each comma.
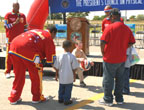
{"points": [[26, 50]]}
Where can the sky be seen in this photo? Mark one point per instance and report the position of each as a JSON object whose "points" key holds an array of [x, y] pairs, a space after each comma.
{"points": [[6, 6]]}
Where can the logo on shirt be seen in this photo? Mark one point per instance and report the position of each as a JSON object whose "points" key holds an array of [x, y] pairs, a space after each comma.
{"points": [[13, 91], [12, 19], [106, 25]]}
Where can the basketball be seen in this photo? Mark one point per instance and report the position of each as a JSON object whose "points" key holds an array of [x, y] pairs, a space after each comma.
{"points": [[85, 65]]}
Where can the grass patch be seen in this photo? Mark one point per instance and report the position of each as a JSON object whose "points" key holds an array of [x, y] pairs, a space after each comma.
{"points": [[139, 25], [2, 29]]}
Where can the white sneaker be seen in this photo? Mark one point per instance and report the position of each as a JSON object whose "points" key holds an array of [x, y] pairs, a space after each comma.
{"points": [[7, 75], [16, 102], [36, 102], [103, 102], [120, 103], [44, 100]]}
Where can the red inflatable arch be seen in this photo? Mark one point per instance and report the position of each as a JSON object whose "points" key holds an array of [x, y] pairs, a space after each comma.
{"points": [[38, 14]]}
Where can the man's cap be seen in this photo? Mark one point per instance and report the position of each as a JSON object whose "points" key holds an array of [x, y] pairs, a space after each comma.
{"points": [[115, 11]]}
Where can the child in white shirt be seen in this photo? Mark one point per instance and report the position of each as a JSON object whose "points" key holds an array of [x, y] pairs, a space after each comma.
{"points": [[65, 66], [126, 89]]}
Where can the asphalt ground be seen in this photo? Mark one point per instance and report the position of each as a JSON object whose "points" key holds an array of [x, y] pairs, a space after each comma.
{"points": [[84, 98]]}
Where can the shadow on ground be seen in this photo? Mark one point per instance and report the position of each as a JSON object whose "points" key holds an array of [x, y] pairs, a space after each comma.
{"points": [[54, 105], [137, 85], [131, 106], [96, 89], [137, 94]]}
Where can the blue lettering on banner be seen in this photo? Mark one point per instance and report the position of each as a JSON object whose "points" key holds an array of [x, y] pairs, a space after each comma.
{"points": [[93, 5]]}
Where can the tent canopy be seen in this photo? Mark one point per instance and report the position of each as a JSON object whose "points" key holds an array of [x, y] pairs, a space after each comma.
{"points": [[63, 6]]}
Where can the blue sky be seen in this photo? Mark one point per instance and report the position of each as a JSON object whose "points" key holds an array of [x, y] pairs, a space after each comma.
{"points": [[6, 6]]}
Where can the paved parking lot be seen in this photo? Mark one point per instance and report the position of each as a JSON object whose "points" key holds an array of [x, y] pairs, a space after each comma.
{"points": [[83, 98]]}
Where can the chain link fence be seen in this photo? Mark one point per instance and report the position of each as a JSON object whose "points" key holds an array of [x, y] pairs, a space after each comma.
{"points": [[94, 33]]}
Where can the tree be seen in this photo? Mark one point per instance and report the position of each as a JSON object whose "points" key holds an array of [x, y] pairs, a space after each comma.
{"points": [[140, 17], [99, 18], [102, 17], [1, 18], [56, 16], [96, 18], [78, 14], [133, 17]]}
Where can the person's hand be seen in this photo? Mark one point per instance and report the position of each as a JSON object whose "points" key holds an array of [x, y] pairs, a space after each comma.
{"points": [[92, 63], [74, 78], [86, 69], [102, 53], [56, 78], [82, 59], [17, 21]]}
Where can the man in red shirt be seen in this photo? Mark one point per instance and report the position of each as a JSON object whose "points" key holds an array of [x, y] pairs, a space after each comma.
{"points": [[26, 52], [14, 23], [115, 40], [106, 22]]}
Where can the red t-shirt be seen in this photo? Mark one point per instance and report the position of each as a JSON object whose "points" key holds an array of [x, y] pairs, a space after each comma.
{"points": [[34, 43], [106, 22], [17, 28], [117, 37]]}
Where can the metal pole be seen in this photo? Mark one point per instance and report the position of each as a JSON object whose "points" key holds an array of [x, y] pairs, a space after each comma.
{"points": [[49, 13], [64, 18], [125, 15]]}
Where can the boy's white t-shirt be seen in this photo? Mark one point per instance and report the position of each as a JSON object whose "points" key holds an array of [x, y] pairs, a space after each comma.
{"points": [[65, 63]]}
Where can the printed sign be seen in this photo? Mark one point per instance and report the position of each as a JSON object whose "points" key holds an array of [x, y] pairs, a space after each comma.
{"points": [[93, 5], [132, 27], [62, 30], [76, 36]]}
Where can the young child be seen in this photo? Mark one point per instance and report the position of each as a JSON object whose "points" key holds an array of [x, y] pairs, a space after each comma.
{"points": [[80, 55], [65, 66], [126, 89]]}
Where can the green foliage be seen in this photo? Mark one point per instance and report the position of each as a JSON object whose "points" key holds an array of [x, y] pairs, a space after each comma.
{"points": [[99, 18], [1, 18], [140, 17], [57, 16], [96, 18], [103, 16], [2, 29], [133, 17], [78, 14]]}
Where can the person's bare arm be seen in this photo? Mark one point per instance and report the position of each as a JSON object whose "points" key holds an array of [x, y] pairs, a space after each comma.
{"points": [[102, 46], [74, 74], [56, 75], [80, 59], [84, 55]]}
